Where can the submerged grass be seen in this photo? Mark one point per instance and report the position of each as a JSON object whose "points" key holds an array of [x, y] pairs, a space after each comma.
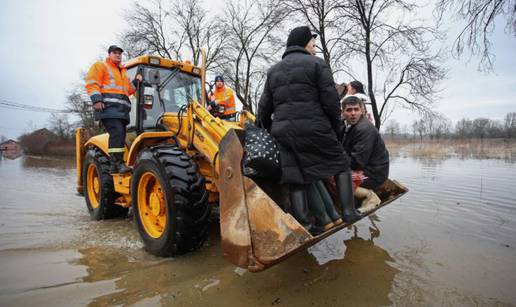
{"points": [[462, 148]]}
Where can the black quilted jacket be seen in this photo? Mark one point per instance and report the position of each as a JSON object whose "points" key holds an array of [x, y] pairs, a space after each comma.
{"points": [[300, 107]]}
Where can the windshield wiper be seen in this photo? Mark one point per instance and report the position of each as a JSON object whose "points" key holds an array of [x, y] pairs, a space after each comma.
{"points": [[167, 79], [162, 84]]}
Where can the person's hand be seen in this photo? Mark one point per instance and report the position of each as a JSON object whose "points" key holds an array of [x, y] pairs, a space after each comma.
{"points": [[139, 77], [99, 106], [357, 178], [209, 107]]}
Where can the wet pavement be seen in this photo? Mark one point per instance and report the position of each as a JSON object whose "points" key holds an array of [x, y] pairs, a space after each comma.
{"points": [[451, 241]]}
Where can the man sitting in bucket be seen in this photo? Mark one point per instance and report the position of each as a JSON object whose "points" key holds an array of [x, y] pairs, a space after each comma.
{"points": [[363, 143]]}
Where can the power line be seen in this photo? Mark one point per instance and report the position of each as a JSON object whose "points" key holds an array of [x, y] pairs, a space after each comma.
{"points": [[7, 104], [8, 128]]}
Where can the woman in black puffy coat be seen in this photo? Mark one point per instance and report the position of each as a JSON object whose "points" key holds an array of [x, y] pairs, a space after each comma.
{"points": [[300, 107]]}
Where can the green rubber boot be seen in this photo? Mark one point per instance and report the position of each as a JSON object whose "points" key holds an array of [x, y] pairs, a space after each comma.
{"points": [[316, 205], [328, 203]]}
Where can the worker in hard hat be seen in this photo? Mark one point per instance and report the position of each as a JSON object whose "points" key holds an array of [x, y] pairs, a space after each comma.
{"points": [[222, 100], [109, 89]]}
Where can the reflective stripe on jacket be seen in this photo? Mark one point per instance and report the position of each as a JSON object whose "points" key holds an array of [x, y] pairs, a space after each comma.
{"points": [[108, 83], [226, 98]]}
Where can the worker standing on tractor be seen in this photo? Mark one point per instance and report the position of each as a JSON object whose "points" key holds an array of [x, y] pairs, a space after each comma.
{"points": [[222, 100], [109, 89]]}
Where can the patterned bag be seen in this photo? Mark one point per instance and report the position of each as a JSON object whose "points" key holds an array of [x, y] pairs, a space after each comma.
{"points": [[261, 157]]}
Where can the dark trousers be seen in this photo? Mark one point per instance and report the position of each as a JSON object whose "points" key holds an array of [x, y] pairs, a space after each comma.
{"points": [[116, 130]]}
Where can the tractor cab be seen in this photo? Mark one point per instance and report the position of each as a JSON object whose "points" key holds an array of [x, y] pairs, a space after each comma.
{"points": [[166, 89]]}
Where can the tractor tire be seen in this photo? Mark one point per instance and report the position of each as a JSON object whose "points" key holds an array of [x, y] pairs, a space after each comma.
{"points": [[98, 187], [169, 201]]}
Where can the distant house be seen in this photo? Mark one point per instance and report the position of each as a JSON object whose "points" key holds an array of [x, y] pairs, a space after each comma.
{"points": [[10, 145]]}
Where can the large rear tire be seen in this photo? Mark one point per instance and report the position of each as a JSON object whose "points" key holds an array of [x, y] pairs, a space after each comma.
{"points": [[169, 201], [98, 187]]}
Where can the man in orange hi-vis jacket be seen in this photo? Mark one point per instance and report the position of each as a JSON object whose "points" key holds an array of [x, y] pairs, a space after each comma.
{"points": [[109, 89], [224, 98]]}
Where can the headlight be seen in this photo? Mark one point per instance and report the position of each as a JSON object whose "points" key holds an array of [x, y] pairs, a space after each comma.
{"points": [[154, 61]]}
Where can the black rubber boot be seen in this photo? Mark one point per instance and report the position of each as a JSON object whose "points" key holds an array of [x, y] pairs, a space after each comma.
{"points": [[316, 205], [117, 164], [328, 203], [345, 191], [299, 205]]}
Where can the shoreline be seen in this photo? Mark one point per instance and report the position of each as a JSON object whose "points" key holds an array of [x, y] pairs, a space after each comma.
{"points": [[504, 149]]}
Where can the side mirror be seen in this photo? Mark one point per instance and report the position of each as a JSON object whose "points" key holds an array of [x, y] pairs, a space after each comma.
{"points": [[148, 98]]}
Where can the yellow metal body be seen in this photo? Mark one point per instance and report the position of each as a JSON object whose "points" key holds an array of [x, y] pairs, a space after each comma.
{"points": [[255, 232]]}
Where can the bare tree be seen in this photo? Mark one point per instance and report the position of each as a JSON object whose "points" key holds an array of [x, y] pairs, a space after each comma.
{"points": [[419, 127], [510, 125], [199, 31], [440, 126], [434, 125], [177, 31], [495, 129], [250, 27], [463, 128], [479, 16], [480, 127], [395, 50], [60, 125], [392, 128], [79, 103], [324, 19], [151, 31]]}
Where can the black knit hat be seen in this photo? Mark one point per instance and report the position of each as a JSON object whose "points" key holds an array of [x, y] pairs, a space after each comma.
{"points": [[358, 86], [300, 36]]}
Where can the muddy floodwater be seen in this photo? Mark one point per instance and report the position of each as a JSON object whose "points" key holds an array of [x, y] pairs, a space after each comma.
{"points": [[451, 241]]}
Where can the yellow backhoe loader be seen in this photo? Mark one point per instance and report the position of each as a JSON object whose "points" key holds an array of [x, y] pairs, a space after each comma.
{"points": [[185, 161]]}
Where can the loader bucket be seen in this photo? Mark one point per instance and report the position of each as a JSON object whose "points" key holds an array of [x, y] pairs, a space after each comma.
{"points": [[256, 232]]}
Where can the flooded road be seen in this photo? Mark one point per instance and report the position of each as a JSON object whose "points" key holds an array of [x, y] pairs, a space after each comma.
{"points": [[451, 241]]}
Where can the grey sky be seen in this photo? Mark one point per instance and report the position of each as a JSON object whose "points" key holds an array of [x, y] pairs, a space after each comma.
{"points": [[44, 46]]}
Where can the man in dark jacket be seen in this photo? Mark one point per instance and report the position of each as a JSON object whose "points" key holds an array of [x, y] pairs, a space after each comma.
{"points": [[366, 148], [300, 94]]}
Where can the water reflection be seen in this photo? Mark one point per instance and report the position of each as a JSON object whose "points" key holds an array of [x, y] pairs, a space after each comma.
{"points": [[131, 277], [364, 275], [370, 269], [10, 154], [48, 162]]}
